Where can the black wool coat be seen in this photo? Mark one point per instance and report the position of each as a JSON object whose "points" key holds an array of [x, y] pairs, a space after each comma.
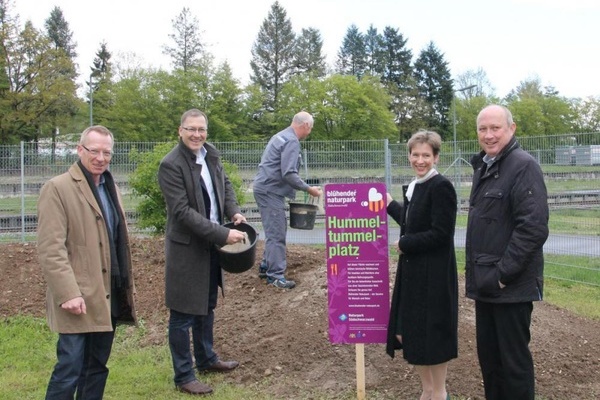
{"points": [[506, 229], [424, 306]]}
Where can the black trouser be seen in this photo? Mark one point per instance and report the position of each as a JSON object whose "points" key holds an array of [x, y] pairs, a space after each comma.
{"points": [[503, 348]]}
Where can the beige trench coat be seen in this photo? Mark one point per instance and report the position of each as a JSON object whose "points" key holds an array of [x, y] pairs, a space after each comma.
{"points": [[74, 254]]}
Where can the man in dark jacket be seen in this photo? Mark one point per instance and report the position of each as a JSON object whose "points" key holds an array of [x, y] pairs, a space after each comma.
{"points": [[507, 228], [199, 197]]}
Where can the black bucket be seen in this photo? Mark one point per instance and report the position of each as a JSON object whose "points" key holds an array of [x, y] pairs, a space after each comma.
{"points": [[239, 257], [302, 216]]}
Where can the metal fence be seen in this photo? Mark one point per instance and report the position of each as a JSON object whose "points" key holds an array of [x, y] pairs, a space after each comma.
{"points": [[571, 165]]}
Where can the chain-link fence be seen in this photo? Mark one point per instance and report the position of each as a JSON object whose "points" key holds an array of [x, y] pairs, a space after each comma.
{"points": [[571, 165]]}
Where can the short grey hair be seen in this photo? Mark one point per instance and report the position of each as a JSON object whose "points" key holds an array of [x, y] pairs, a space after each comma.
{"points": [[302, 118], [96, 128]]}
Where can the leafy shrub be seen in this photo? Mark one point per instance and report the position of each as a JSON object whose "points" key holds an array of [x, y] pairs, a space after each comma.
{"points": [[152, 209]]}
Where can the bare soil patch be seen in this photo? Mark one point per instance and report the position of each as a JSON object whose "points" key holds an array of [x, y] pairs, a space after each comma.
{"points": [[283, 334]]}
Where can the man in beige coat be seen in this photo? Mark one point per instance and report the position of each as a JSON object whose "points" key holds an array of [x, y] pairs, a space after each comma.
{"points": [[84, 252]]}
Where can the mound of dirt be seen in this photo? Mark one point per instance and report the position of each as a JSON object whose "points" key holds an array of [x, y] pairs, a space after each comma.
{"points": [[282, 334]]}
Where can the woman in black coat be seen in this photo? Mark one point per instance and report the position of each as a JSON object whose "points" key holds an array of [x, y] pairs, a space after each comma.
{"points": [[424, 311]]}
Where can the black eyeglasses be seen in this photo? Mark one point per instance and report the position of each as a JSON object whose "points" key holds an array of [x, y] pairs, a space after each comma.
{"points": [[95, 153], [194, 130]]}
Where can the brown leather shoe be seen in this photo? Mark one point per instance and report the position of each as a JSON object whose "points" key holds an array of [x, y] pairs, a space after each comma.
{"points": [[222, 366], [195, 387]]}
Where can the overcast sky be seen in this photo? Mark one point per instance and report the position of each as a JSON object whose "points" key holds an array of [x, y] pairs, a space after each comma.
{"points": [[556, 41]]}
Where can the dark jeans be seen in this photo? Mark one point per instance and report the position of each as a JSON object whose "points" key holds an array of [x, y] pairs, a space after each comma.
{"points": [[503, 349], [202, 334], [81, 366]]}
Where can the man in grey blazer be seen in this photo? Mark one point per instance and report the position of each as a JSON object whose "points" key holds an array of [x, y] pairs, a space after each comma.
{"points": [[199, 197]]}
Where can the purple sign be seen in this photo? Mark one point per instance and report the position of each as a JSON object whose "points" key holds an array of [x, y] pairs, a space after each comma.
{"points": [[356, 231]]}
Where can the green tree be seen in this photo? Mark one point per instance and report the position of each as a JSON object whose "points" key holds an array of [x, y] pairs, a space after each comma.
{"points": [[409, 108], [528, 89], [225, 108], [344, 107], [435, 86], [4, 83], [540, 111], [37, 83], [65, 106], [469, 102], [303, 92], [102, 66], [143, 106], [352, 57], [397, 76], [185, 90], [374, 51], [308, 57], [395, 59], [188, 50], [100, 96], [559, 114], [152, 208], [588, 114], [273, 52], [7, 36], [467, 109], [57, 29], [524, 103], [528, 115], [148, 103], [255, 121]]}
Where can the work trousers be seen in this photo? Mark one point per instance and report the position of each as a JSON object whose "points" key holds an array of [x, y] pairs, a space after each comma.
{"points": [[274, 221]]}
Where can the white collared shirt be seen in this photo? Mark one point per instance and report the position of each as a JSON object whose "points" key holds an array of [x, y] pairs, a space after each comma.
{"points": [[200, 159]]}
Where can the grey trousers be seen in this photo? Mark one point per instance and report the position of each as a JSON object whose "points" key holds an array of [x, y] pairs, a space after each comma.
{"points": [[273, 216]]}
